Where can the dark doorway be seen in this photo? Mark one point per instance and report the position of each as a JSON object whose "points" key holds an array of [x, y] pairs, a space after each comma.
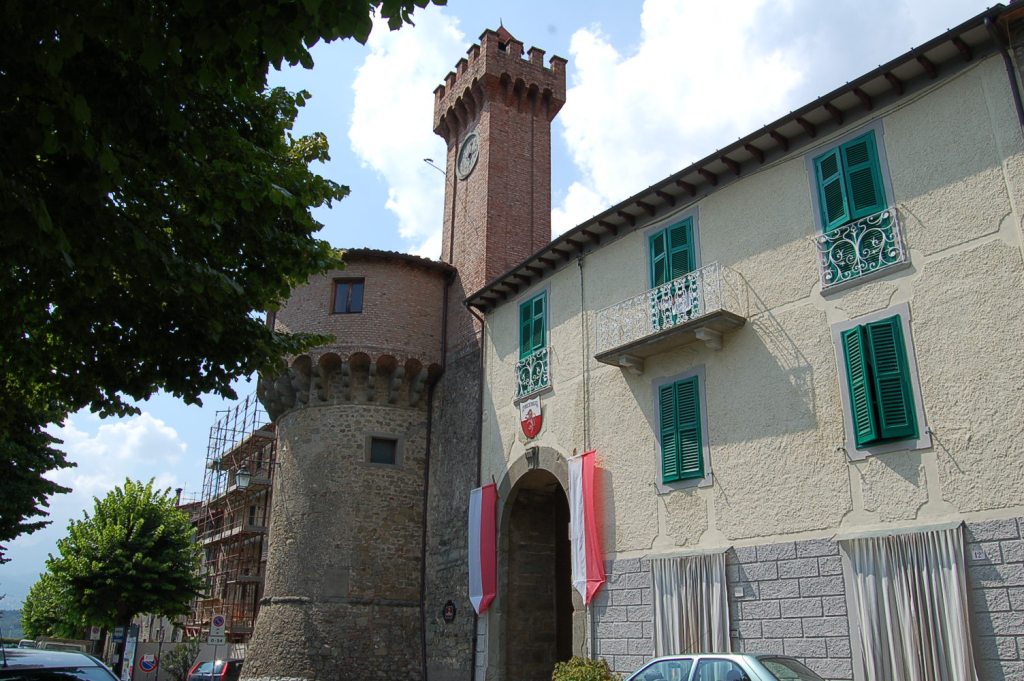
{"points": [[537, 578]]}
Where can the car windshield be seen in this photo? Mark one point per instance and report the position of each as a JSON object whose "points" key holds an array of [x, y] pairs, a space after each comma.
{"points": [[74, 674], [787, 669], [207, 668]]}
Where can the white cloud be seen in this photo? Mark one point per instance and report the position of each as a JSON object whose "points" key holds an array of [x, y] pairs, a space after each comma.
{"points": [[106, 452], [630, 120], [393, 97]]}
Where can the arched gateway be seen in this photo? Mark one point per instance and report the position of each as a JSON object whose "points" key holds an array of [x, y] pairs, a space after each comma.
{"points": [[537, 616]]}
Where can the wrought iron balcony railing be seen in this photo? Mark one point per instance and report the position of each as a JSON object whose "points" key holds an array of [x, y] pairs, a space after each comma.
{"points": [[871, 244], [700, 304], [533, 373]]}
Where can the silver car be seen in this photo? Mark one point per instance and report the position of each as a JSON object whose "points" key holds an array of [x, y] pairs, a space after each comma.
{"points": [[724, 667]]}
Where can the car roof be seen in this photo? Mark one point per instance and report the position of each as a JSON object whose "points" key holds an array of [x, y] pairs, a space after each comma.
{"points": [[33, 657]]}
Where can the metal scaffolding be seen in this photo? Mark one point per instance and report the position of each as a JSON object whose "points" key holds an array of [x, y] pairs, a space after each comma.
{"points": [[232, 519]]}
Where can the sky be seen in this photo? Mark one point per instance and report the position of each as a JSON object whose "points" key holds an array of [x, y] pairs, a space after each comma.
{"points": [[653, 86]]}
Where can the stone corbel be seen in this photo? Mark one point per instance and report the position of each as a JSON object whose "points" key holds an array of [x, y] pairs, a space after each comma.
{"points": [[711, 338], [634, 365], [395, 384]]}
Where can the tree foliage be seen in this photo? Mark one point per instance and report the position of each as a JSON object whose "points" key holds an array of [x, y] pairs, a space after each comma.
{"points": [[583, 669], [178, 662], [152, 200], [47, 610], [137, 552]]}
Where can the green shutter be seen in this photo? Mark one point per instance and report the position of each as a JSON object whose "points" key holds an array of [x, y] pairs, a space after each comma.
{"points": [[863, 177], [525, 328], [672, 253], [532, 325], [893, 391], [669, 436], [831, 190], [865, 426], [680, 241], [539, 323], [691, 452], [659, 259]]}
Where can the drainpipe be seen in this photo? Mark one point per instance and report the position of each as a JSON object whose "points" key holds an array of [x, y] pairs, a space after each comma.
{"points": [[1011, 73]]}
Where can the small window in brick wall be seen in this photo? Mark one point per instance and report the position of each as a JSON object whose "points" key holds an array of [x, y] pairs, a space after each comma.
{"points": [[348, 296], [383, 450]]}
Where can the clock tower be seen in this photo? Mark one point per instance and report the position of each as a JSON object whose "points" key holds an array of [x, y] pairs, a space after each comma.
{"points": [[495, 112]]}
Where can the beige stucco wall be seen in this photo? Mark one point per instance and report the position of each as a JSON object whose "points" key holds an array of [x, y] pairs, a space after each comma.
{"points": [[773, 404]]}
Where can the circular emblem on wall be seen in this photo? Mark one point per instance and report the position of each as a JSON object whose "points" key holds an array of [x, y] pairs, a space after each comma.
{"points": [[448, 613], [468, 154]]}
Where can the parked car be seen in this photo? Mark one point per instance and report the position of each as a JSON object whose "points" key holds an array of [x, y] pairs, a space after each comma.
{"points": [[724, 667], [220, 670], [27, 664]]}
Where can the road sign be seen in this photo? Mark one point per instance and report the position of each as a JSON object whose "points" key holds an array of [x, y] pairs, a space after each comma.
{"points": [[94, 633], [216, 631], [148, 663], [118, 634]]}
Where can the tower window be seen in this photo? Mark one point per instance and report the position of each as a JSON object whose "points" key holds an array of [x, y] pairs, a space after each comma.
{"points": [[348, 296], [383, 450]]}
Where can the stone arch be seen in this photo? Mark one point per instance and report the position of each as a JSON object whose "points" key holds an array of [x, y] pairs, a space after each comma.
{"points": [[536, 482]]}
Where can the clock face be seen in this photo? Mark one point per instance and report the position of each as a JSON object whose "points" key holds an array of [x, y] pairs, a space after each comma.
{"points": [[468, 154]]}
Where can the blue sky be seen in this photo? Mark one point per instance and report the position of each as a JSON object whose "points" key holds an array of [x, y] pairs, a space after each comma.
{"points": [[653, 86]]}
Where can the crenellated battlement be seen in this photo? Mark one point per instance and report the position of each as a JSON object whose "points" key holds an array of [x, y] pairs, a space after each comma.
{"points": [[332, 378], [496, 68]]}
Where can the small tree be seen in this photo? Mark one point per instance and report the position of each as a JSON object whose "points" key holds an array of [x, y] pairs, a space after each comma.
{"points": [[583, 669], [47, 610], [179, 661], [136, 553]]}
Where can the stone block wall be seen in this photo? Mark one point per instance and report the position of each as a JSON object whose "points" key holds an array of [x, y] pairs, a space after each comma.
{"points": [[790, 598], [995, 578]]}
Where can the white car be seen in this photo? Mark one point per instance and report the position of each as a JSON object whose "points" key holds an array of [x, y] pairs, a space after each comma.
{"points": [[724, 667]]}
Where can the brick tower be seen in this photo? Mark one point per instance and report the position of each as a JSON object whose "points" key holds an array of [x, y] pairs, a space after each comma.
{"points": [[494, 112]]}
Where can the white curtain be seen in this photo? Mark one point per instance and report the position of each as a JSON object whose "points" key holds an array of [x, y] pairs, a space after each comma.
{"points": [[691, 605], [909, 617]]}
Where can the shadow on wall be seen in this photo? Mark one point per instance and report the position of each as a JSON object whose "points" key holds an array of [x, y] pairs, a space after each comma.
{"points": [[762, 353]]}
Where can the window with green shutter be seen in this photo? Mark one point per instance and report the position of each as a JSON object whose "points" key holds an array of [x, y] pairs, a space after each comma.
{"points": [[849, 182], [878, 376], [682, 450], [532, 325], [672, 252]]}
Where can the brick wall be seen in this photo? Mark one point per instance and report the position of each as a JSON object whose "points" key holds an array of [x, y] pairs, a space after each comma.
{"points": [[995, 577], [402, 302]]}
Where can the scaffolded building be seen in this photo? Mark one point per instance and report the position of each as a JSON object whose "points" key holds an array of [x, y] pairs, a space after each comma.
{"points": [[232, 520]]}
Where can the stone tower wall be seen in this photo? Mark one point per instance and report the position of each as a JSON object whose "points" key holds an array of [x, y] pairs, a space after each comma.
{"points": [[343, 592]]}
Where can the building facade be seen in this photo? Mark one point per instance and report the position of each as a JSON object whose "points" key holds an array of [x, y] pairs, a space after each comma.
{"points": [[798, 361]]}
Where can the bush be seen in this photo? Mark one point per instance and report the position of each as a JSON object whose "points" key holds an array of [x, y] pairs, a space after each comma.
{"points": [[179, 661], [582, 669]]}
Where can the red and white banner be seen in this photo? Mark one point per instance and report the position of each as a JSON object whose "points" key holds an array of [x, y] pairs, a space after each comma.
{"points": [[587, 560], [483, 549]]}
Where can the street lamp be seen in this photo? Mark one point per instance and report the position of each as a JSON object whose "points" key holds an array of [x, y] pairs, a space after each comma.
{"points": [[242, 478]]}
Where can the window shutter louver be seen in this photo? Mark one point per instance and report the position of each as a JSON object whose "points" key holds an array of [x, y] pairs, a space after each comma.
{"points": [[659, 259], [865, 427], [525, 329], [893, 391], [680, 242], [691, 453], [831, 190], [864, 178], [539, 326], [669, 436]]}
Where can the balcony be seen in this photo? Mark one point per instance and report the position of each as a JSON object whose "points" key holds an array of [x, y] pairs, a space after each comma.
{"points": [[871, 244], [699, 306], [533, 373]]}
